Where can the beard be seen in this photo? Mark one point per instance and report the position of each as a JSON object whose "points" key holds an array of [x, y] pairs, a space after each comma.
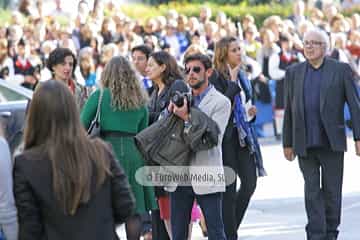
{"points": [[198, 84]]}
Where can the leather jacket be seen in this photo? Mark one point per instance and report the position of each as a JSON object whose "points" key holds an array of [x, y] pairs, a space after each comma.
{"points": [[168, 142]]}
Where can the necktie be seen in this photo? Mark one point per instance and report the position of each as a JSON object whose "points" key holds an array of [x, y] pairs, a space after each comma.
{"points": [[147, 83]]}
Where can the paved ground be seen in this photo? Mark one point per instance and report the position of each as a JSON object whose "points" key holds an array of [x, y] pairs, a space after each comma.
{"points": [[277, 209]]}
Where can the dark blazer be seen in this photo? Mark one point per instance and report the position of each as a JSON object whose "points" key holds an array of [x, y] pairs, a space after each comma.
{"points": [[337, 88], [229, 89], [41, 218], [159, 102]]}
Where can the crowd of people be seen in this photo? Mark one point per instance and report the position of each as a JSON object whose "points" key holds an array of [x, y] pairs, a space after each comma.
{"points": [[95, 37], [129, 70]]}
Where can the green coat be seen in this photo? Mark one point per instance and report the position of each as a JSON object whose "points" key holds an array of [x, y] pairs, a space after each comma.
{"points": [[130, 121]]}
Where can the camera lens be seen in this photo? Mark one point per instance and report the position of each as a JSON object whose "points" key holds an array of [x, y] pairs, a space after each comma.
{"points": [[178, 99]]}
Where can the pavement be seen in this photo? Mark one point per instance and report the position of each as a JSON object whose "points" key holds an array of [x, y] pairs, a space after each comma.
{"points": [[276, 211]]}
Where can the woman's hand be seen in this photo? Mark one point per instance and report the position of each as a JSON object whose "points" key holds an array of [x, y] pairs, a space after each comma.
{"points": [[252, 111], [262, 78]]}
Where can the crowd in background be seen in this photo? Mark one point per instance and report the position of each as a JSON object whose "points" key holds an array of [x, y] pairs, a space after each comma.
{"points": [[95, 34], [97, 46]]}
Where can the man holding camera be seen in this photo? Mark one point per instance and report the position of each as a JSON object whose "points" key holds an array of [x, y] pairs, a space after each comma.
{"points": [[205, 97]]}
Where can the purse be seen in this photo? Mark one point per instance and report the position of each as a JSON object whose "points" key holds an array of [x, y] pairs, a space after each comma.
{"points": [[94, 128]]}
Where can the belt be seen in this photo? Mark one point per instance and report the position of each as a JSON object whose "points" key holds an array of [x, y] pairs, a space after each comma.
{"points": [[106, 134]]}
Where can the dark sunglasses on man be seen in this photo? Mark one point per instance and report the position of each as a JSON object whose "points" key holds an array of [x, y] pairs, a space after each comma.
{"points": [[195, 69]]}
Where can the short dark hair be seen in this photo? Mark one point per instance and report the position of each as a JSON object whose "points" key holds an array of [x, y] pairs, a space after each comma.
{"points": [[204, 59], [172, 71], [146, 50], [57, 56]]}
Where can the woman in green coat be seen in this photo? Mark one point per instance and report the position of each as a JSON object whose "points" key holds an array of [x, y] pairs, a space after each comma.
{"points": [[123, 113]]}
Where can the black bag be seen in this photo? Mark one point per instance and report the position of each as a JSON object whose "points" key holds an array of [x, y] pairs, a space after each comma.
{"points": [[161, 144], [94, 128]]}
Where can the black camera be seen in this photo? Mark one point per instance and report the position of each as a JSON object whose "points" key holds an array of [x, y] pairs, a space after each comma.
{"points": [[178, 99]]}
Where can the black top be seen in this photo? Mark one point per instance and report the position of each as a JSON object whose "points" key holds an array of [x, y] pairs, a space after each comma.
{"points": [[229, 89], [158, 102], [40, 216]]}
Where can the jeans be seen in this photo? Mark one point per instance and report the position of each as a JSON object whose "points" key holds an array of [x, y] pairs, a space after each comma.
{"points": [[181, 202]]}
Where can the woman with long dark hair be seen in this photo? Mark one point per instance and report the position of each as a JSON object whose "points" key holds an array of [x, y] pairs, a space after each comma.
{"points": [[66, 185], [240, 149], [123, 114], [165, 74]]}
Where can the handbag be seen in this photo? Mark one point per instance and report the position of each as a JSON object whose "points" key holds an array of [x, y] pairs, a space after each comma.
{"points": [[94, 128]]}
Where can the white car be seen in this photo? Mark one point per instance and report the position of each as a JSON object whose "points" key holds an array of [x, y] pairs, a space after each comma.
{"points": [[14, 100]]}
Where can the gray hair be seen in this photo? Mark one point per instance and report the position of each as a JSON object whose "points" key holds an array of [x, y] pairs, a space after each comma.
{"points": [[322, 34]]}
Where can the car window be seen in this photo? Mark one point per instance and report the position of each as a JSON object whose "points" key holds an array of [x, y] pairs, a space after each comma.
{"points": [[7, 95]]}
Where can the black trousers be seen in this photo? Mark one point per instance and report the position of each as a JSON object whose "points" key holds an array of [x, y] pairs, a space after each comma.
{"points": [[235, 202], [146, 223], [158, 227], [322, 170]]}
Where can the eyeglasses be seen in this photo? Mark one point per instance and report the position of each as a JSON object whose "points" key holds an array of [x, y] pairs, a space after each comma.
{"points": [[313, 43], [195, 69]]}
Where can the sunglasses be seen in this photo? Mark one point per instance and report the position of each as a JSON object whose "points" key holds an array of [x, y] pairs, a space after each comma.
{"points": [[195, 69]]}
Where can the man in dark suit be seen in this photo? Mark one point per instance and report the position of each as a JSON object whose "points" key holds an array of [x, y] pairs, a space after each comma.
{"points": [[314, 130], [140, 56]]}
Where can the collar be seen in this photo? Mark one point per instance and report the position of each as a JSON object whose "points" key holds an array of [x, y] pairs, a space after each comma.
{"points": [[201, 96], [309, 66]]}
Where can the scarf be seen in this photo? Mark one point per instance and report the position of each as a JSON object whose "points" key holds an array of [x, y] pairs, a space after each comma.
{"points": [[246, 131]]}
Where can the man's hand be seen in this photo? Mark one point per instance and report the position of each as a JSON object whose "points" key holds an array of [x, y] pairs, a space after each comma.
{"points": [[357, 147], [181, 112], [289, 153]]}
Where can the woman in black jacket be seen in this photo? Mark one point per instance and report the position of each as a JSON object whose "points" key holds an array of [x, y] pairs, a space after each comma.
{"points": [[165, 74], [237, 150], [66, 185]]}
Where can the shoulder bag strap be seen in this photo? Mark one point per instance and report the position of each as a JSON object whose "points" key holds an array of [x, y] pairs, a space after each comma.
{"points": [[97, 116]]}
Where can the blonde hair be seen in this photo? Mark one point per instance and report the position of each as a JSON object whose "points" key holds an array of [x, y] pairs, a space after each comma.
{"points": [[194, 48], [272, 20], [124, 85]]}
